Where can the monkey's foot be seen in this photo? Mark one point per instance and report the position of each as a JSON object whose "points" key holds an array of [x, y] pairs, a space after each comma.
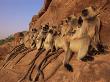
{"points": [[101, 48], [87, 58], [68, 67]]}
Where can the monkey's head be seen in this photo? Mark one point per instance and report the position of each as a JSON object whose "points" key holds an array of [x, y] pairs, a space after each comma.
{"points": [[72, 20], [45, 27], [88, 12], [21, 34], [65, 21], [53, 30], [71, 17]]}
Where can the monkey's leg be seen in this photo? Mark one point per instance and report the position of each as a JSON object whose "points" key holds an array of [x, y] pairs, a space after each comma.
{"points": [[67, 58], [41, 44], [94, 45], [83, 48], [31, 65]]}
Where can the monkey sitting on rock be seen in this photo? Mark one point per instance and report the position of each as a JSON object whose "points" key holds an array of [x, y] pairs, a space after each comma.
{"points": [[86, 35]]}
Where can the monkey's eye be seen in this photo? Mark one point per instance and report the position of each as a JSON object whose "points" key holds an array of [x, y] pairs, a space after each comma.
{"points": [[44, 28], [85, 12]]}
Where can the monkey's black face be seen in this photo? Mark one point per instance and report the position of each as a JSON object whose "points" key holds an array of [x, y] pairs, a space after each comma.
{"points": [[46, 28], [51, 31], [21, 34], [85, 13], [74, 21]]}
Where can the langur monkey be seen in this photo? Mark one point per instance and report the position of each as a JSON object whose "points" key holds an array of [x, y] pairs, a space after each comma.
{"points": [[42, 36], [29, 39], [81, 40], [64, 27], [92, 22], [95, 21], [68, 25], [25, 44], [86, 35], [48, 45], [49, 41]]}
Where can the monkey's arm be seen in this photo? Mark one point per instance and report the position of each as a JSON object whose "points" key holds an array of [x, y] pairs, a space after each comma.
{"points": [[77, 35]]}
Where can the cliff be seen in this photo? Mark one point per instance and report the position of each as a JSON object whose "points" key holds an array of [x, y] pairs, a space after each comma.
{"points": [[53, 12]]}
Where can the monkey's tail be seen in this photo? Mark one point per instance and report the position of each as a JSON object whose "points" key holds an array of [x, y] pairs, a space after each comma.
{"points": [[53, 56], [12, 56], [19, 47], [31, 65], [24, 54]]}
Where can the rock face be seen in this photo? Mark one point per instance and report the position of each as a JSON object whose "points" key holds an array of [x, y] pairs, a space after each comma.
{"points": [[53, 12], [56, 10]]}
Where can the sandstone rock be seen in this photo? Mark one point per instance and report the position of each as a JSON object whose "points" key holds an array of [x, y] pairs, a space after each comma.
{"points": [[95, 71]]}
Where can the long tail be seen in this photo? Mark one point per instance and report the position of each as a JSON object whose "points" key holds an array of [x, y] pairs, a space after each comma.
{"points": [[31, 64], [18, 48], [24, 54], [9, 57], [38, 68], [42, 66]]}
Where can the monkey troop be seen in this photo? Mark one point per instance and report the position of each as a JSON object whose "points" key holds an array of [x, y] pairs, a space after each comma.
{"points": [[74, 34]]}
